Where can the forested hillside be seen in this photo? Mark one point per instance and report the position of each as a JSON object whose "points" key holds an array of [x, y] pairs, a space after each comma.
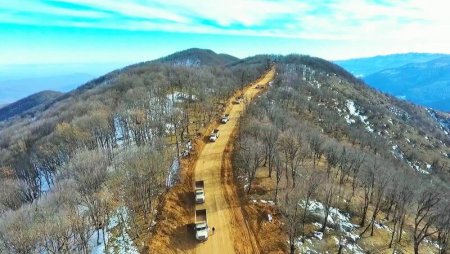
{"points": [[80, 174], [335, 166], [324, 163]]}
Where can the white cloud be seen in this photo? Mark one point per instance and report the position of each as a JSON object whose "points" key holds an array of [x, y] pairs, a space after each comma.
{"points": [[11, 8], [136, 9], [247, 13], [409, 25]]}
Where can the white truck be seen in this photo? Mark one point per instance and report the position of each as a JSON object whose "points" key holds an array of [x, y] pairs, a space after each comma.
{"points": [[214, 135], [225, 118], [201, 225], [199, 192]]}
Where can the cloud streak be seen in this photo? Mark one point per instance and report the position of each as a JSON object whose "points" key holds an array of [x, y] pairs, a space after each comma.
{"points": [[391, 25], [333, 20]]}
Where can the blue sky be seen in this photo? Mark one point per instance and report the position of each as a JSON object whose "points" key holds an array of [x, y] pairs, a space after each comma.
{"points": [[129, 31]]}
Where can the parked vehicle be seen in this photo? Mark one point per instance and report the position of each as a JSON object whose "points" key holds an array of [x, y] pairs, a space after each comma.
{"points": [[214, 135], [225, 118], [201, 225], [238, 100], [199, 192]]}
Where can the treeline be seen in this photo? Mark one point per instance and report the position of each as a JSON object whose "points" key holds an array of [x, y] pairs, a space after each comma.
{"points": [[104, 153], [313, 154]]}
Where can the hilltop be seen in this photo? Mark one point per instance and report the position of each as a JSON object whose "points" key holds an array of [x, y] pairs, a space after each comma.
{"points": [[198, 57]]}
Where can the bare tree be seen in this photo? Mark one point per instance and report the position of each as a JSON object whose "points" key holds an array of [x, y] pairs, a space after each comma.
{"points": [[311, 182], [382, 178], [291, 212], [316, 142], [290, 148], [269, 138], [425, 215], [327, 202], [443, 226], [278, 164], [251, 156], [89, 170]]}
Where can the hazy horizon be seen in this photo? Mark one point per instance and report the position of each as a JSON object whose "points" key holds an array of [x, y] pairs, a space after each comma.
{"points": [[61, 37]]}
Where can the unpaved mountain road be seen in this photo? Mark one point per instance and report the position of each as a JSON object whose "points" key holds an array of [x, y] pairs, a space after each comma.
{"points": [[222, 214], [210, 162]]}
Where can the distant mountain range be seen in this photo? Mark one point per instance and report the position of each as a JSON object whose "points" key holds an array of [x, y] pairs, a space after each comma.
{"points": [[362, 67], [28, 104], [420, 78], [15, 89]]}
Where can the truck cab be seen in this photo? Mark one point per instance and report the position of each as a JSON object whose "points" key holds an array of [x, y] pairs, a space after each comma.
{"points": [[214, 135], [201, 225], [199, 196], [199, 192], [225, 118], [201, 231]]}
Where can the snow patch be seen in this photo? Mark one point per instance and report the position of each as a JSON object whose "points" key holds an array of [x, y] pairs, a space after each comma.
{"points": [[336, 218], [318, 235], [354, 112], [173, 173], [117, 244]]}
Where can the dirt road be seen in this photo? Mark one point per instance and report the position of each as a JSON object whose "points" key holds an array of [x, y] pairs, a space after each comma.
{"points": [[208, 168]]}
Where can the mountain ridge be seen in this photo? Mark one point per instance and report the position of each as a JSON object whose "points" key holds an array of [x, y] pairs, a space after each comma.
{"points": [[361, 67], [427, 83], [28, 104]]}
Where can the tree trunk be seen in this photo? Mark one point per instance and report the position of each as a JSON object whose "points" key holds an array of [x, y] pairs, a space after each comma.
{"points": [[416, 247], [292, 248]]}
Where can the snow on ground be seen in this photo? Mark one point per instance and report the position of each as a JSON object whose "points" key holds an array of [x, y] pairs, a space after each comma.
{"points": [[45, 185], [419, 169], [380, 225], [176, 97], [339, 220], [336, 218], [98, 248], [119, 132], [354, 248], [318, 235], [401, 156], [173, 173], [115, 244], [354, 112], [262, 201], [349, 120]]}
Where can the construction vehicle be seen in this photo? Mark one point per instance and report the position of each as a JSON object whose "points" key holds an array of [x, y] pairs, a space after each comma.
{"points": [[201, 225], [214, 135], [199, 192], [225, 118]]}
